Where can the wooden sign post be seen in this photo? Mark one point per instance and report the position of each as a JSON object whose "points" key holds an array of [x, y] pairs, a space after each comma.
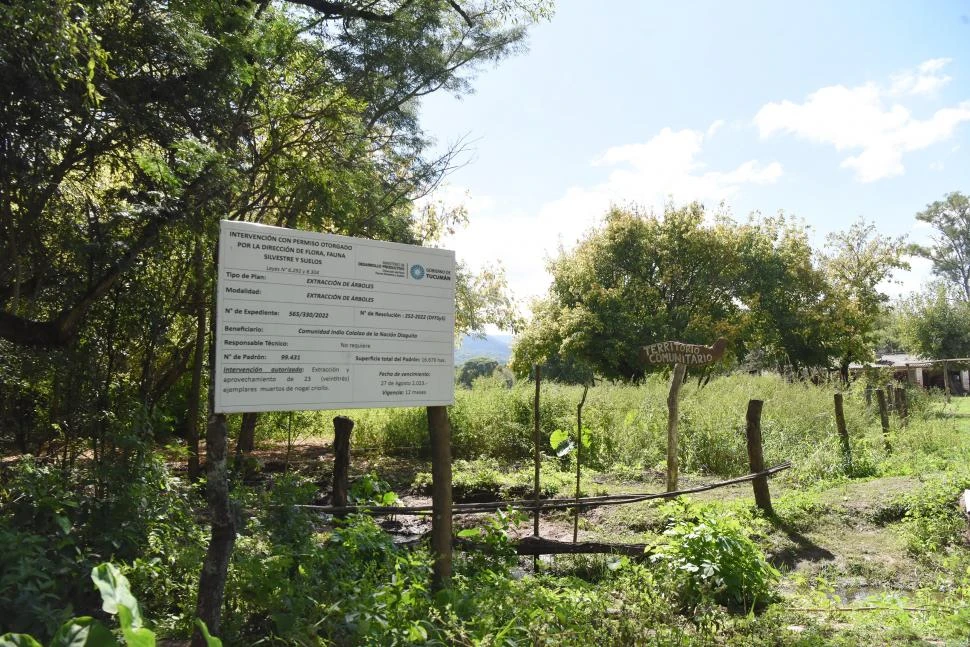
{"points": [[681, 356]]}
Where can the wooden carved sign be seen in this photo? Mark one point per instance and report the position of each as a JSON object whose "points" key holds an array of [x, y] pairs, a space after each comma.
{"points": [[681, 356], [675, 352]]}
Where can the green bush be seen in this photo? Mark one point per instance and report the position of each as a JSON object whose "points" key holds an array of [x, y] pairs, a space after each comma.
{"points": [[711, 557], [933, 520]]}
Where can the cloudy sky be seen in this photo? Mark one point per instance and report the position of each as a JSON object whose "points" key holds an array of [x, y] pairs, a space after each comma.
{"points": [[826, 110]]}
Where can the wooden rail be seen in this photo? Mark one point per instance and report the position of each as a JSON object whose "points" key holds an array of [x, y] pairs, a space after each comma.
{"points": [[584, 503]]}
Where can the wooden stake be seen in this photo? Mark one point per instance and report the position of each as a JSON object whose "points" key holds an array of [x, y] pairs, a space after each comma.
{"points": [[676, 380], [899, 394], [440, 430], [883, 417], [537, 456], [868, 396], [903, 406], [342, 426], [946, 381], [843, 433], [762, 497], [579, 457]]}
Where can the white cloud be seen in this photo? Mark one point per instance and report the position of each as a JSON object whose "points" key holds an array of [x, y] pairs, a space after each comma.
{"points": [[923, 80], [649, 173], [936, 166], [714, 127], [859, 119]]}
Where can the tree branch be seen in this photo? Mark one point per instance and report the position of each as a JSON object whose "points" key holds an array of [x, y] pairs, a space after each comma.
{"points": [[461, 12], [343, 10]]}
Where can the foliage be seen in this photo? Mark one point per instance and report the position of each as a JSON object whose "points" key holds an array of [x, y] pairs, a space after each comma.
{"points": [[933, 518], [642, 279], [52, 531], [474, 368], [498, 555], [370, 489], [85, 631], [950, 251], [857, 262], [933, 323], [712, 557]]}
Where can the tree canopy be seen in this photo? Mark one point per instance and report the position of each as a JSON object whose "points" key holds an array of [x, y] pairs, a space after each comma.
{"points": [[642, 279], [950, 251]]}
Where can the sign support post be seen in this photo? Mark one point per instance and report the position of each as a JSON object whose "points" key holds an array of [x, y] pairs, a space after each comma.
{"points": [[676, 381], [681, 356], [440, 430]]}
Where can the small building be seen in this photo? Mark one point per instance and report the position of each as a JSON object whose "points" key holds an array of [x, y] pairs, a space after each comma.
{"points": [[920, 371]]}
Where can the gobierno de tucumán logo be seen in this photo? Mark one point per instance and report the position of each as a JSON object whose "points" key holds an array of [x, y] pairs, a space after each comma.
{"points": [[417, 272]]}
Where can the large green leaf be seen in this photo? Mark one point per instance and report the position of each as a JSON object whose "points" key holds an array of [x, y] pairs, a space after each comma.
{"points": [[561, 443], [210, 640], [83, 632], [135, 636], [115, 592]]}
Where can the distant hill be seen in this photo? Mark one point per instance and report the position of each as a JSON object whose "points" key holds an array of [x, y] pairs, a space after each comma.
{"points": [[498, 347]]}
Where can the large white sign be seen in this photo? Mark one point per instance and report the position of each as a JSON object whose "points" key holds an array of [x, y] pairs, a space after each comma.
{"points": [[316, 321]]}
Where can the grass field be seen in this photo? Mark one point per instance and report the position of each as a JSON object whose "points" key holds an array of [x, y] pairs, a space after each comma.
{"points": [[872, 554]]}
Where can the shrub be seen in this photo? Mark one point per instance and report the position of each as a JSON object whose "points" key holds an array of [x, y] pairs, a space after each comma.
{"points": [[711, 557]]}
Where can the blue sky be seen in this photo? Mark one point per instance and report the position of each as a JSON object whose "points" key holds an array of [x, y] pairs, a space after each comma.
{"points": [[827, 110]]}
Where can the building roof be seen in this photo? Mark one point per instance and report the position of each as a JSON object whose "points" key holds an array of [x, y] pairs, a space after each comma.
{"points": [[894, 360]]}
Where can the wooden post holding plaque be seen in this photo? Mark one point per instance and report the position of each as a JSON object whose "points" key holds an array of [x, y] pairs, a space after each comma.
{"points": [[681, 356]]}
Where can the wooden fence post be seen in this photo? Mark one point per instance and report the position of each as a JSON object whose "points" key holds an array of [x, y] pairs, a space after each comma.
{"points": [[900, 395], [868, 396], [342, 426], [762, 497], [946, 381], [843, 433], [579, 457], [676, 380], [883, 416], [904, 405], [440, 431], [536, 439]]}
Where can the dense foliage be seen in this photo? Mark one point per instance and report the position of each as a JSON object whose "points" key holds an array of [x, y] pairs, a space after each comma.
{"points": [[642, 279]]}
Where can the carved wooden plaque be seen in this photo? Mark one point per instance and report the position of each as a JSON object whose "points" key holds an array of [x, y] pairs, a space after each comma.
{"points": [[675, 352]]}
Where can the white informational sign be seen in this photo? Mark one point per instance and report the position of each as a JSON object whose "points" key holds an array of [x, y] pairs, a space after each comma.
{"points": [[317, 321]]}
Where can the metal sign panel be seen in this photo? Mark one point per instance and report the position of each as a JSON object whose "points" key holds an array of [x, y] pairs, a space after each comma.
{"points": [[318, 321]]}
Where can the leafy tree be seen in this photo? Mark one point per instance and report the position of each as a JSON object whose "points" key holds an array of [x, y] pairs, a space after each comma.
{"points": [[128, 130], [857, 262], [934, 323], [474, 368], [950, 251], [641, 279]]}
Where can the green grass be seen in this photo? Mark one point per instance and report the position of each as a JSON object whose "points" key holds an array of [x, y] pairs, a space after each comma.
{"points": [[884, 536]]}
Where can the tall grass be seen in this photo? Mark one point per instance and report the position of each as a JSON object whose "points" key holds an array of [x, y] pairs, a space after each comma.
{"points": [[628, 427]]}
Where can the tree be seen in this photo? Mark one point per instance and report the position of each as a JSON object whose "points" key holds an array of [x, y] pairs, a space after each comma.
{"points": [[128, 130], [858, 261], [641, 279], [934, 322], [474, 368], [950, 251]]}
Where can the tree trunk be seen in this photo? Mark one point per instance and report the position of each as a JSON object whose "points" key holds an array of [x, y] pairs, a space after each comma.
{"points": [[247, 433], [195, 391], [215, 566]]}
